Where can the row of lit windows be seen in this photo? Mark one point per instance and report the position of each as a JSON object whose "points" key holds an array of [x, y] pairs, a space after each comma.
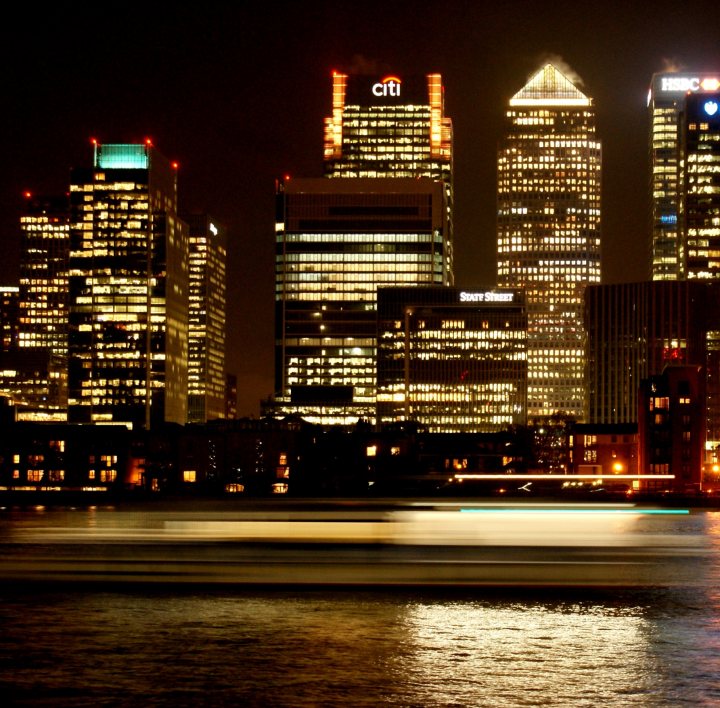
{"points": [[367, 284], [370, 238], [324, 263], [480, 336], [326, 269], [337, 276]]}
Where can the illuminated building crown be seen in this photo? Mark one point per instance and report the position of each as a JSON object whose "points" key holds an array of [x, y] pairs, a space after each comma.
{"points": [[549, 86]]}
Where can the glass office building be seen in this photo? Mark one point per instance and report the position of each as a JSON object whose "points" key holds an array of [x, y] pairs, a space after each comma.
{"points": [[338, 241], [206, 331], [128, 281], [41, 392], [452, 360], [548, 230], [670, 96], [45, 244], [391, 126], [701, 185]]}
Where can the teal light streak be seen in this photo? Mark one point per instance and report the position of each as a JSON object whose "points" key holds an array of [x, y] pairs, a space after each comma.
{"points": [[576, 511]]}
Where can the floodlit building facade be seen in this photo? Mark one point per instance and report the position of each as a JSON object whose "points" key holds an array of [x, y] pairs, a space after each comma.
{"points": [[206, 331], [676, 104], [338, 241], [391, 126], [548, 229], [128, 282], [452, 360]]}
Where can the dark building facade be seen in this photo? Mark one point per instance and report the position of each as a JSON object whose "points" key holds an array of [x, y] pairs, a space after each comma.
{"points": [[609, 450], [635, 330], [671, 428], [9, 316]]}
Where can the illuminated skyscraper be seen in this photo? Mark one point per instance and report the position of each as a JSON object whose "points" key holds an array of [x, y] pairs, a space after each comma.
{"points": [[672, 97], [45, 244], [40, 385], [206, 336], [391, 127], [549, 230], [701, 184], [337, 242], [128, 290]]}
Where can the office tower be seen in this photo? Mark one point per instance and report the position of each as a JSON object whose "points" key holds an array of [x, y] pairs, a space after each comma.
{"points": [[549, 230], [206, 332], [9, 316], [701, 184], [45, 244], [391, 127], [33, 379], [452, 360], [635, 330], [43, 308], [337, 241], [667, 106], [128, 290]]}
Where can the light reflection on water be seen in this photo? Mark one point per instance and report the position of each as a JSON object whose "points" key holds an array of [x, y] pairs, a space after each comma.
{"points": [[630, 647], [359, 648]]}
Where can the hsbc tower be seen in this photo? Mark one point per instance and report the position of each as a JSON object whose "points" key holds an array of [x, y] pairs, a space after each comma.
{"points": [[682, 150]]}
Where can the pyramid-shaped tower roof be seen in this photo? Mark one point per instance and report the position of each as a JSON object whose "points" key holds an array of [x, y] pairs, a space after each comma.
{"points": [[549, 87]]}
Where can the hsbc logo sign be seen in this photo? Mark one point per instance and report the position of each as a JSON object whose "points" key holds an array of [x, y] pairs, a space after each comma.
{"points": [[389, 86], [684, 83]]}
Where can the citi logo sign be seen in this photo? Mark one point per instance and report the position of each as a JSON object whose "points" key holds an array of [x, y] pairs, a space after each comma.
{"points": [[389, 86]]}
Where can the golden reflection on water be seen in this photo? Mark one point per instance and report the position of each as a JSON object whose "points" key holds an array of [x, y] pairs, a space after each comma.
{"points": [[502, 652]]}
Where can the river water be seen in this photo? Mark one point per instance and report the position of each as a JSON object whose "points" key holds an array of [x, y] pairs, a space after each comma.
{"points": [[158, 645]]}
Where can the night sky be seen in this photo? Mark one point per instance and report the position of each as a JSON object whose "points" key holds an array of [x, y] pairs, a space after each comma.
{"points": [[237, 94]]}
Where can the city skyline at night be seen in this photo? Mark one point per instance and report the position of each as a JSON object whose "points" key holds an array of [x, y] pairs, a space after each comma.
{"points": [[239, 97]]}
